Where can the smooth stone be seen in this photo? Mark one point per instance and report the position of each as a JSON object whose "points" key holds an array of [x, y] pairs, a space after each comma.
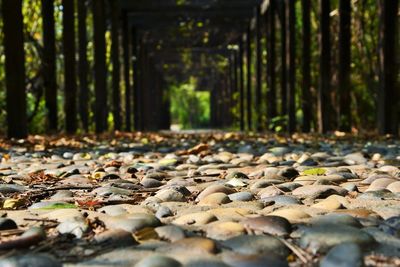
{"points": [[380, 184], [320, 238], [163, 212], [132, 224], [376, 176], [214, 199], [224, 230], [291, 214], [343, 255], [236, 182], [11, 188], [62, 195], [355, 159], [76, 226], [205, 263], [170, 233], [26, 260], [235, 174], [240, 260], [50, 205], [340, 219], [111, 190], [270, 191], [358, 213], [288, 172], [394, 187], [319, 191], [191, 244], [241, 196], [280, 200], [150, 183], [158, 261], [391, 226], [116, 237], [214, 189], [257, 244], [197, 219], [7, 224], [273, 225], [113, 210], [170, 195], [331, 203], [231, 213]]}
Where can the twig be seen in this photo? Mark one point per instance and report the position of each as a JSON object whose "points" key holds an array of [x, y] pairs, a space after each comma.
{"points": [[296, 250]]}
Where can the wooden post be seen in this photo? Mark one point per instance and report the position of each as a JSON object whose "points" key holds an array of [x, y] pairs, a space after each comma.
{"points": [[69, 66], [249, 87], [258, 95], [83, 65], [241, 83], [127, 67], [291, 67], [283, 81], [344, 65], [324, 88], [388, 95], [116, 69], [271, 62], [306, 100], [100, 71], [136, 79], [14, 68], [49, 64]]}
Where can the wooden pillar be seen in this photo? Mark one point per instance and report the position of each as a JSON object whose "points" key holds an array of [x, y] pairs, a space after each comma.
{"points": [[241, 83], [344, 65], [283, 81], [116, 65], [271, 62], [249, 87], [306, 101], [49, 64], [100, 71], [14, 68], [258, 49], [234, 94], [127, 67], [136, 80], [83, 65], [291, 67], [324, 88], [69, 66], [388, 94]]}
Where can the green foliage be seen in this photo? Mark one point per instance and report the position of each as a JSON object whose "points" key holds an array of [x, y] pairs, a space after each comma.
{"points": [[189, 108]]}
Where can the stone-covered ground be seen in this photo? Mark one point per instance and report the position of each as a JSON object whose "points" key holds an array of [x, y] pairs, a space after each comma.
{"points": [[218, 199]]}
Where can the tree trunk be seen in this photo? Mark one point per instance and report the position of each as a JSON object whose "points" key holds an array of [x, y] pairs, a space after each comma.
{"points": [[115, 23], [49, 64], [324, 123], [344, 65], [291, 67], [69, 66], [388, 96], [306, 60], [100, 65], [14, 68], [83, 65], [271, 63]]}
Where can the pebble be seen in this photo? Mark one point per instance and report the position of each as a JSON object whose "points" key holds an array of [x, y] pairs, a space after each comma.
{"points": [[158, 261], [343, 255], [323, 237], [273, 225], [257, 245]]}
